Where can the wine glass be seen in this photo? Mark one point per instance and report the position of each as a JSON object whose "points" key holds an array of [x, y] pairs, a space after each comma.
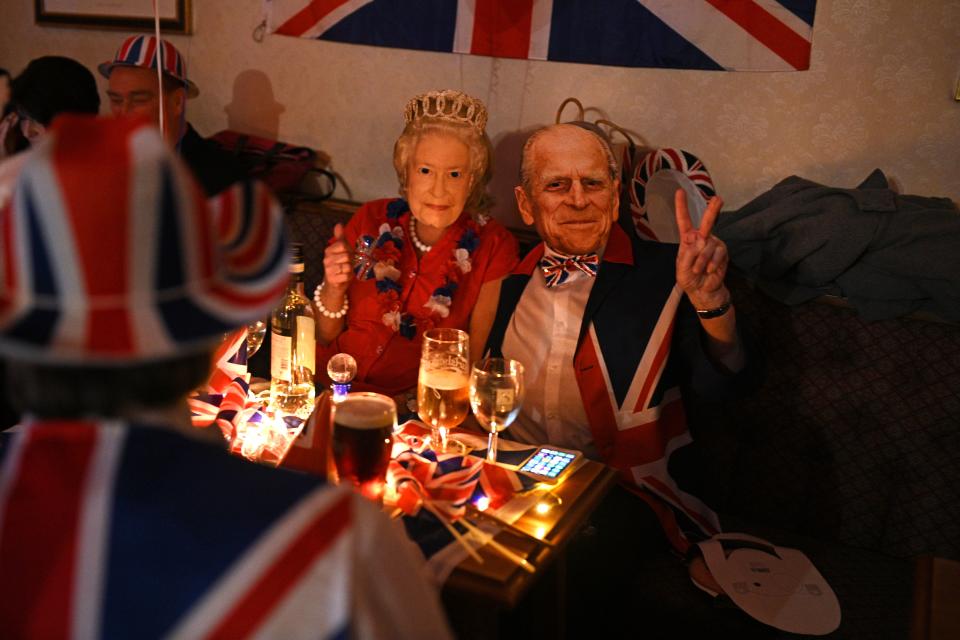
{"points": [[442, 387], [256, 330], [496, 395]]}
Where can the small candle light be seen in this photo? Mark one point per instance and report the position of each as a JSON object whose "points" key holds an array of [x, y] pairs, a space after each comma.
{"points": [[547, 503], [253, 443], [482, 503]]}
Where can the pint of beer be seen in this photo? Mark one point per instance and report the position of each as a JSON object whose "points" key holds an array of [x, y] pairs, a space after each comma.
{"points": [[443, 385], [442, 397], [363, 425]]}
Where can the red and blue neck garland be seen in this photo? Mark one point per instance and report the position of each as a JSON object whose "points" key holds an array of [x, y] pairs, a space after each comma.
{"points": [[380, 258]]}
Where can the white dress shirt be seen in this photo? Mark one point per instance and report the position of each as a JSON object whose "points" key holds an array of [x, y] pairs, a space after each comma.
{"points": [[542, 335]]}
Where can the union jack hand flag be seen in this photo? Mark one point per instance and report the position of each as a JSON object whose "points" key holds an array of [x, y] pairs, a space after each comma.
{"points": [[448, 481], [225, 401], [755, 35]]}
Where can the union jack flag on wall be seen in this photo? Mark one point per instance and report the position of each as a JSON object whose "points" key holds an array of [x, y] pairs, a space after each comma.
{"points": [[749, 35]]}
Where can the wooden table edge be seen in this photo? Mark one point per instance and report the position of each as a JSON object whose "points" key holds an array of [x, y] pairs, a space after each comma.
{"points": [[508, 594]]}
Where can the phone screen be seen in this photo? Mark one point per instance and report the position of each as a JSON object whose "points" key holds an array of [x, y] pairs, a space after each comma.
{"points": [[548, 462]]}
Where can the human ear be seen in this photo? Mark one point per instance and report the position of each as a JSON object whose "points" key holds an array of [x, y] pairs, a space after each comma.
{"points": [[523, 204], [178, 99]]}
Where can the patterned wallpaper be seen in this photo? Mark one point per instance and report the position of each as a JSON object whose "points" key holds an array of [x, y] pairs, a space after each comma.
{"points": [[879, 94]]}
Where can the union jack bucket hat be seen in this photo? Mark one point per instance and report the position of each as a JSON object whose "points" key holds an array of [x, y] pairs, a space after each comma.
{"points": [[141, 51], [110, 254]]}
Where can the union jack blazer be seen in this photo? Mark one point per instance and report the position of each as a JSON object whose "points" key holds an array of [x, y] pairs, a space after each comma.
{"points": [[639, 341]]}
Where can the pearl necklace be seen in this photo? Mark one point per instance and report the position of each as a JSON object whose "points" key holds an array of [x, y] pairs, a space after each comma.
{"points": [[415, 238]]}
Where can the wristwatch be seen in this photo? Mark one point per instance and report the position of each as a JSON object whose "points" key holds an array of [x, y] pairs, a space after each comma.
{"points": [[706, 314]]}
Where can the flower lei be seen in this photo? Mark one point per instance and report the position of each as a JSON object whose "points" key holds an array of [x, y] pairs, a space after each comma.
{"points": [[380, 261]]}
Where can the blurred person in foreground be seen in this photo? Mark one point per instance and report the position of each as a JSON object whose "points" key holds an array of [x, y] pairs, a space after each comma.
{"points": [[134, 88], [117, 517], [49, 86], [435, 259], [609, 329]]}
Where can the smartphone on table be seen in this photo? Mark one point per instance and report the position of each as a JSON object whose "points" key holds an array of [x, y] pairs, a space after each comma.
{"points": [[549, 463]]}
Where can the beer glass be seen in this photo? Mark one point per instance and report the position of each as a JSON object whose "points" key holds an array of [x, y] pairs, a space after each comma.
{"points": [[363, 426], [442, 387], [496, 394]]}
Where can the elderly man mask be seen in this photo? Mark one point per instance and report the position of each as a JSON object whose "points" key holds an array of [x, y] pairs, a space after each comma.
{"points": [[608, 341], [570, 193]]}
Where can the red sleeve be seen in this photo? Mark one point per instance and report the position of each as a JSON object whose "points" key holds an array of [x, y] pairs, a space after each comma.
{"points": [[500, 250]]}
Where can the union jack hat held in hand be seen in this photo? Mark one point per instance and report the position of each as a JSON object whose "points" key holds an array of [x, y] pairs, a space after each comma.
{"points": [[110, 254], [141, 51]]}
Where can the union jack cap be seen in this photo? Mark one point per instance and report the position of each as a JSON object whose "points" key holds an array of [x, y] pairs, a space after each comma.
{"points": [[110, 253], [141, 51]]}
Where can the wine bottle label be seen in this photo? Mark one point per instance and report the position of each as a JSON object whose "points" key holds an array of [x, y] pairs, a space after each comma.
{"points": [[306, 343], [280, 349], [504, 400]]}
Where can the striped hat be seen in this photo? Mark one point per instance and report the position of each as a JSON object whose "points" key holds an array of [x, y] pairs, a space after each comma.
{"points": [[141, 51], [110, 254]]}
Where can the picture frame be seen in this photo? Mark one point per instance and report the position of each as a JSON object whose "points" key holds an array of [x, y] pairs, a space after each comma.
{"points": [[127, 15]]}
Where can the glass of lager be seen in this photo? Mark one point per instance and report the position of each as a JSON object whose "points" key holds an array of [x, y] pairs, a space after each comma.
{"points": [[363, 426], [443, 396]]}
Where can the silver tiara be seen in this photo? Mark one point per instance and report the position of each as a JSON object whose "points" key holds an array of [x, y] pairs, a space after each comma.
{"points": [[447, 105]]}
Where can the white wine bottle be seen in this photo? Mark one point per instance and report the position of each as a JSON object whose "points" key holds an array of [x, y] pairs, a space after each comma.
{"points": [[293, 347]]}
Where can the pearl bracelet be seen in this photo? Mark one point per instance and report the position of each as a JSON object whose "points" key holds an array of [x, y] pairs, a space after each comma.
{"points": [[335, 315]]}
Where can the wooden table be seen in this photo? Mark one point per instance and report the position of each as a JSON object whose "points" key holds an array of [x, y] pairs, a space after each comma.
{"points": [[475, 593]]}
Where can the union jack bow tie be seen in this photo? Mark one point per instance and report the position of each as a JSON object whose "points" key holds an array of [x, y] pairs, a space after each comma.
{"points": [[559, 268]]}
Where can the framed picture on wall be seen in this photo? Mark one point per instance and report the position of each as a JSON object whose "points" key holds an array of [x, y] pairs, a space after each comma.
{"points": [[129, 15]]}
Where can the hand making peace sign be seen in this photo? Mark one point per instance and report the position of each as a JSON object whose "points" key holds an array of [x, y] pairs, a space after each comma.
{"points": [[702, 258]]}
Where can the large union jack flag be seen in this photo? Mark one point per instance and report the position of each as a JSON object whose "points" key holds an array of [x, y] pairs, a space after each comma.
{"points": [[756, 35]]}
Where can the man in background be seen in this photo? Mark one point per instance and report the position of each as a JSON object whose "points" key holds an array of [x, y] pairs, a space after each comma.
{"points": [[134, 89]]}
